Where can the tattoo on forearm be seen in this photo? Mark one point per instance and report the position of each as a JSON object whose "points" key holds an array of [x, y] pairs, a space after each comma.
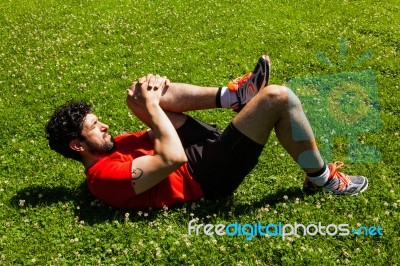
{"points": [[137, 173]]}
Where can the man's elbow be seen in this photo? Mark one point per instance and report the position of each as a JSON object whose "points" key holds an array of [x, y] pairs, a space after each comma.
{"points": [[176, 159], [184, 158], [180, 159]]}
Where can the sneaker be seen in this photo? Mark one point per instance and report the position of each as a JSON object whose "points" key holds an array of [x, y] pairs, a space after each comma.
{"points": [[338, 183], [248, 85]]}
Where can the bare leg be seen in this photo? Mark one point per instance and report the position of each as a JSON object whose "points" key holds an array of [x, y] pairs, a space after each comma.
{"points": [[278, 107], [180, 97], [185, 97]]}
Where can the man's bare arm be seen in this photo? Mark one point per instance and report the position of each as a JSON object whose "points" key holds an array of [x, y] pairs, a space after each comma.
{"points": [[148, 171]]}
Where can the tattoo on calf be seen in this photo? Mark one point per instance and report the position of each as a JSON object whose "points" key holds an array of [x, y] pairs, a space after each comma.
{"points": [[137, 173]]}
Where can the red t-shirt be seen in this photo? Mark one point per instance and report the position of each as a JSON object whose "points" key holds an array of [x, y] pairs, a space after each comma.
{"points": [[110, 178]]}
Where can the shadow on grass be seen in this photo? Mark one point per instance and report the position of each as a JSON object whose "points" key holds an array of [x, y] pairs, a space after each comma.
{"points": [[225, 205], [87, 208], [84, 204]]}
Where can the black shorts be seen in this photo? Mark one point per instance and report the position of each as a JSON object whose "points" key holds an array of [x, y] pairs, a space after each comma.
{"points": [[218, 160]]}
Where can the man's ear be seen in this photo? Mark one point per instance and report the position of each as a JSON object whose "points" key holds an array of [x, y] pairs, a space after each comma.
{"points": [[76, 145]]}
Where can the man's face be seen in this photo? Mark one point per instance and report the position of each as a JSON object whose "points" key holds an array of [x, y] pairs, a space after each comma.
{"points": [[96, 136]]}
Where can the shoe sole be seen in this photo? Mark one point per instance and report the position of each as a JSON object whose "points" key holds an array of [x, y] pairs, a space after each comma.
{"points": [[266, 65], [313, 190], [268, 70]]}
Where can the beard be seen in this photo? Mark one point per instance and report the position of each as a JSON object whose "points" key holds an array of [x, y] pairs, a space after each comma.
{"points": [[107, 148]]}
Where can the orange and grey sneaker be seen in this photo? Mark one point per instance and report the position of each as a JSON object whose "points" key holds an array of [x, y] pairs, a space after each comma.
{"points": [[338, 183], [248, 85]]}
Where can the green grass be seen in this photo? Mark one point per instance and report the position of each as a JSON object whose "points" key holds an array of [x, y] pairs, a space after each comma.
{"points": [[52, 51]]}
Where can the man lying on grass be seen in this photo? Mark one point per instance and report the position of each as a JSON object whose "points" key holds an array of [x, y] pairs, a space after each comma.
{"points": [[183, 159]]}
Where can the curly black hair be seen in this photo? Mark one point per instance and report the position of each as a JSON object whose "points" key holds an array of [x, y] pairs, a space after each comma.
{"points": [[66, 125]]}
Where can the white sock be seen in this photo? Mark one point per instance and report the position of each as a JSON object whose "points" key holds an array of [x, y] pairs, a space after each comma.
{"points": [[228, 97], [321, 179]]}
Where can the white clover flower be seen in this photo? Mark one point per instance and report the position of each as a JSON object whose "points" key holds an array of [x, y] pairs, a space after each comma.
{"points": [[289, 239], [21, 203], [285, 197]]}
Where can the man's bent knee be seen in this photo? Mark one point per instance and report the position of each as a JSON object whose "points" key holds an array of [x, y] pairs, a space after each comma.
{"points": [[275, 94]]}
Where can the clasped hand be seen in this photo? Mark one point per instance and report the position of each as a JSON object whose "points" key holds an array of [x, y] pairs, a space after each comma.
{"points": [[148, 89]]}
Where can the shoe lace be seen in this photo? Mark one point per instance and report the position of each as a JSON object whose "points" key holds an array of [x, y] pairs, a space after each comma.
{"points": [[343, 179], [235, 84]]}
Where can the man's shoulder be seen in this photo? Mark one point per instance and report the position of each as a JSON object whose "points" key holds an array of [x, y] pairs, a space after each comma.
{"points": [[110, 159]]}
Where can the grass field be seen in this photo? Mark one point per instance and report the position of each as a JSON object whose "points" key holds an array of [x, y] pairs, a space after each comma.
{"points": [[54, 51]]}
